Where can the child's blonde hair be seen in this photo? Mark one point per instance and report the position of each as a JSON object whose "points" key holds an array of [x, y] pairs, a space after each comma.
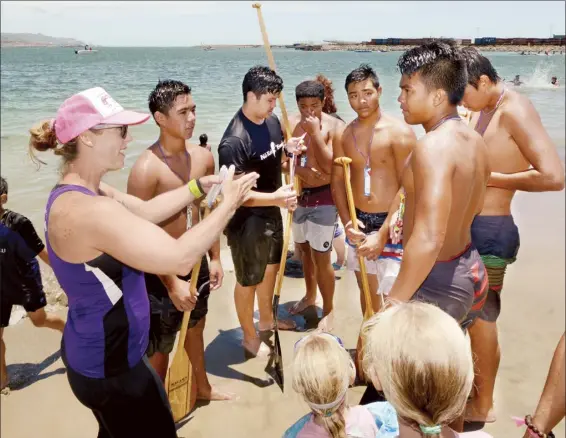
{"points": [[422, 360], [322, 371]]}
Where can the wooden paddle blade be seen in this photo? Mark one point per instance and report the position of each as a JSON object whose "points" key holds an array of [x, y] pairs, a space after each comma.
{"points": [[277, 357], [179, 384], [278, 362]]}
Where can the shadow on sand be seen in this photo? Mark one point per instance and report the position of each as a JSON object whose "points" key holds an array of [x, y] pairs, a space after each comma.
{"points": [[226, 349], [224, 352], [22, 375]]}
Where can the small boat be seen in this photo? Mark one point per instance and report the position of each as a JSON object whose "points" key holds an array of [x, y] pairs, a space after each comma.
{"points": [[363, 51], [83, 51]]}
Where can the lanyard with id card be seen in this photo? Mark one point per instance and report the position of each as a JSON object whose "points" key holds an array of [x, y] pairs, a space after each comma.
{"points": [[367, 167], [367, 180]]}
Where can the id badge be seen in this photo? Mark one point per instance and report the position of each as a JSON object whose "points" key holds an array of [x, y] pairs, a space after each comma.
{"points": [[303, 160], [292, 169], [189, 216], [367, 181]]}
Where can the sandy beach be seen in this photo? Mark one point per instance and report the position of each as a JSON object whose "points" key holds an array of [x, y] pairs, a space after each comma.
{"points": [[532, 321]]}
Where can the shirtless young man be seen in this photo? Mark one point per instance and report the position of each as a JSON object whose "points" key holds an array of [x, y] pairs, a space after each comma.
{"points": [[253, 141], [378, 145], [444, 181], [522, 157], [166, 165], [314, 221]]}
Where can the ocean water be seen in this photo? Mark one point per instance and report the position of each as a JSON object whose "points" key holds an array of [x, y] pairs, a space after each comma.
{"points": [[36, 80]]}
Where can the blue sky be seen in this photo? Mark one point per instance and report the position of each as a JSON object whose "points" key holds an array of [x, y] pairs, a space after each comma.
{"points": [[164, 23]]}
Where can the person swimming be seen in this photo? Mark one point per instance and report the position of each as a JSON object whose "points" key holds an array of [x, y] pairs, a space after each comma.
{"points": [[517, 81], [554, 81]]}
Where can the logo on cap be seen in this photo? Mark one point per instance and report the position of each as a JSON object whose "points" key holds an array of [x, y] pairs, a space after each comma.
{"points": [[102, 101]]}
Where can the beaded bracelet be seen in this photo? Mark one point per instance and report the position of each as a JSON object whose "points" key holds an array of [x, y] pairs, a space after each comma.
{"points": [[532, 427]]}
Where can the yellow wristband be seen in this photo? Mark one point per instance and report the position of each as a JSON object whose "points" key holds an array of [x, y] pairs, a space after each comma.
{"points": [[194, 187]]}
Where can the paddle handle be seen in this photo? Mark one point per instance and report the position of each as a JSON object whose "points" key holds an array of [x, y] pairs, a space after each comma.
{"points": [[368, 313], [271, 61]]}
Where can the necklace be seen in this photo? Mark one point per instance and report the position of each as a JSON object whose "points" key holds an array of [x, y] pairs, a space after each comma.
{"points": [[444, 120], [187, 157], [307, 144], [367, 168], [496, 104], [173, 170], [489, 115]]}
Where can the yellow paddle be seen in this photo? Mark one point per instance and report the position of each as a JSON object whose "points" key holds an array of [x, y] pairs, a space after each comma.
{"points": [[278, 360]]}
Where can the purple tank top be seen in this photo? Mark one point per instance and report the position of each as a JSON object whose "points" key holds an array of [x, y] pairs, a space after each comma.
{"points": [[107, 326]]}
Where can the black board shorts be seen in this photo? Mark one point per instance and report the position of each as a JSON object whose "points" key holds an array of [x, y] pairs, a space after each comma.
{"points": [[256, 243]]}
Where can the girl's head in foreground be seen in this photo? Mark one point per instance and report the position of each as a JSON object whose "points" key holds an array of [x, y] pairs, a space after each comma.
{"points": [[322, 373], [90, 126], [420, 358]]}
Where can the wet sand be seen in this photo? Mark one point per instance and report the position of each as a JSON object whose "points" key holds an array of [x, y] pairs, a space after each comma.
{"points": [[531, 323]]}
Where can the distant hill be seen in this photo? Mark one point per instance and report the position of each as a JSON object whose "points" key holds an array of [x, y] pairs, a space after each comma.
{"points": [[36, 40]]}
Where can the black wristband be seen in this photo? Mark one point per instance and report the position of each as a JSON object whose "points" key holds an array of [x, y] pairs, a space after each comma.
{"points": [[200, 187]]}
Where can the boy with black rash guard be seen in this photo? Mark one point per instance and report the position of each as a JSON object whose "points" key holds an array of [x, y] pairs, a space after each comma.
{"points": [[253, 141]]}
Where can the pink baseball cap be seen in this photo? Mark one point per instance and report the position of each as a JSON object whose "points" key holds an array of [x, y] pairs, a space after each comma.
{"points": [[89, 108]]}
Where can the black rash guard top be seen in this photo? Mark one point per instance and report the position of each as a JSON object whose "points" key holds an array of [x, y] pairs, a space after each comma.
{"points": [[253, 148]]}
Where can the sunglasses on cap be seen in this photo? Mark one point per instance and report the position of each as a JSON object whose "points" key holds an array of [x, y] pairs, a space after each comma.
{"points": [[123, 128], [336, 338]]}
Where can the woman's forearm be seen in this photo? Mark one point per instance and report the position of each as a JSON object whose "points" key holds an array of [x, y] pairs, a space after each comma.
{"points": [[156, 209], [165, 205]]}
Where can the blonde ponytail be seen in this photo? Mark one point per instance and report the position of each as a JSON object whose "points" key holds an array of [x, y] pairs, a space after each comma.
{"points": [[43, 138]]}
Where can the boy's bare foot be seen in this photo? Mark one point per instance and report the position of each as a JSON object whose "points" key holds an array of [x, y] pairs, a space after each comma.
{"points": [[282, 324], [326, 324], [256, 348], [473, 415], [301, 306], [214, 394]]}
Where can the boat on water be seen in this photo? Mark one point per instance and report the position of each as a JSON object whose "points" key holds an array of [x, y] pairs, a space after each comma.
{"points": [[363, 51], [84, 52]]}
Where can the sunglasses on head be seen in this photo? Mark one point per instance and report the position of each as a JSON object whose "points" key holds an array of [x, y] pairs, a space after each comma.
{"points": [[123, 128], [336, 338]]}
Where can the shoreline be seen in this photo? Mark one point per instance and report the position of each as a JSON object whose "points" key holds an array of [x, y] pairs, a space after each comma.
{"points": [[316, 47], [402, 48]]}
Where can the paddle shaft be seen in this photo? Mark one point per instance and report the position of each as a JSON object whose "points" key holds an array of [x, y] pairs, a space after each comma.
{"points": [[271, 61], [287, 232], [363, 273], [193, 290]]}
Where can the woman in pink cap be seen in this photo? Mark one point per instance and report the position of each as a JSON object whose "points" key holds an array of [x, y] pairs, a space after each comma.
{"points": [[100, 241]]}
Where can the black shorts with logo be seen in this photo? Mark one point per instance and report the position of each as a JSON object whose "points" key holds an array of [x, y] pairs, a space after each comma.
{"points": [[255, 243]]}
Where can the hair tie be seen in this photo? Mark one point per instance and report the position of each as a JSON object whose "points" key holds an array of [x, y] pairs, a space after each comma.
{"points": [[328, 409], [431, 430]]}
